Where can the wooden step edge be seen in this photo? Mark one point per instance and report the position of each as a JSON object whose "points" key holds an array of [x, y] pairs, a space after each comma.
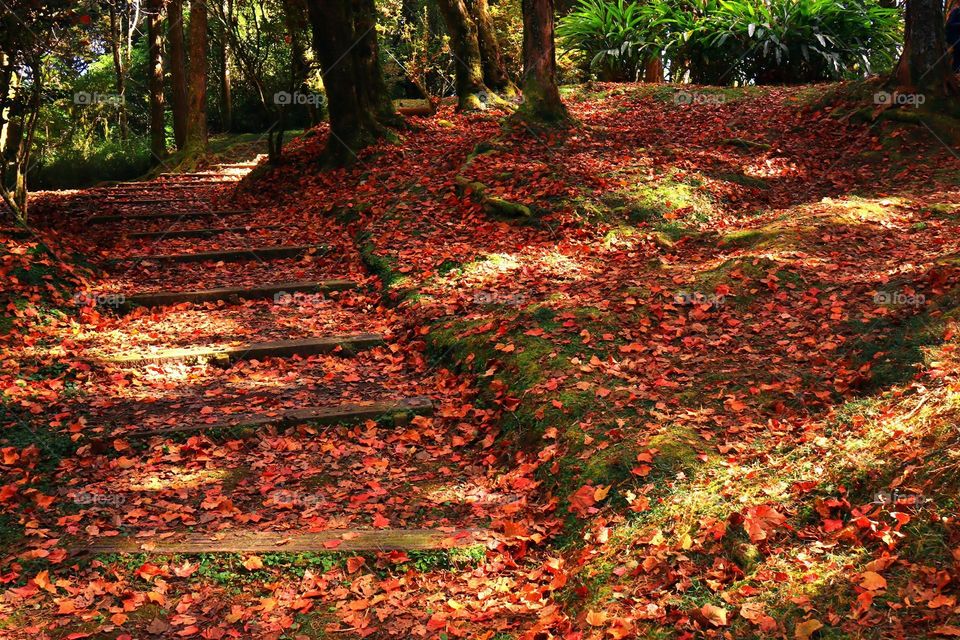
{"points": [[246, 541], [160, 215], [246, 425], [198, 233], [163, 298], [346, 344], [227, 255]]}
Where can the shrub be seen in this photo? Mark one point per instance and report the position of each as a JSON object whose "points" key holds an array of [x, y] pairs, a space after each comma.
{"points": [[739, 41], [611, 35]]}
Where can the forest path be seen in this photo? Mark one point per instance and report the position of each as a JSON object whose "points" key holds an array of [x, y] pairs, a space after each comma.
{"points": [[252, 415]]}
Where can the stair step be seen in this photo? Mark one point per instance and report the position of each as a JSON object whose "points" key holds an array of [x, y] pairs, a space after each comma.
{"points": [[161, 298], [232, 255], [198, 233], [322, 415], [332, 541], [160, 215], [256, 351]]}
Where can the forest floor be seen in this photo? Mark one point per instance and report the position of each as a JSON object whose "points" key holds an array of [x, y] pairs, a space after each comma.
{"points": [[707, 387]]}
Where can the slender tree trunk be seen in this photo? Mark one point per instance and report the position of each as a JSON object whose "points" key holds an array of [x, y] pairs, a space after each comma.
{"points": [[541, 98], [18, 142], [178, 72], [372, 87], [226, 91], [472, 92], [295, 15], [653, 70], [924, 65], [494, 70], [118, 67], [196, 142], [351, 104], [158, 134]]}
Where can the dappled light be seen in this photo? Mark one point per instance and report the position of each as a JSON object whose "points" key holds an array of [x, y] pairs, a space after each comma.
{"points": [[479, 320]]}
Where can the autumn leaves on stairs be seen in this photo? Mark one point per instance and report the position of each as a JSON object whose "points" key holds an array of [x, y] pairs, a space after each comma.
{"points": [[159, 343]]}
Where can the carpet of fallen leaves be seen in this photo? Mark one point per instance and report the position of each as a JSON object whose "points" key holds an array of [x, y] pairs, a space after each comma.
{"points": [[709, 389]]}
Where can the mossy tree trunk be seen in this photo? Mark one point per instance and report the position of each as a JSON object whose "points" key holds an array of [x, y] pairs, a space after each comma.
{"points": [[494, 70], [195, 145], [924, 65], [472, 92], [295, 16], [158, 142], [178, 71], [356, 92], [541, 98]]}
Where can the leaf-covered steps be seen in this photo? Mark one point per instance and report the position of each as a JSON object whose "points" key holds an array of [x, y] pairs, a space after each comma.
{"points": [[256, 351], [198, 233], [161, 215], [233, 541], [321, 415], [162, 298], [226, 255]]}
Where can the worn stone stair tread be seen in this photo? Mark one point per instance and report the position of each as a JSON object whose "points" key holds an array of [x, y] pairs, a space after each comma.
{"points": [[254, 253], [246, 541], [160, 215], [319, 415], [198, 233], [161, 298], [257, 350]]}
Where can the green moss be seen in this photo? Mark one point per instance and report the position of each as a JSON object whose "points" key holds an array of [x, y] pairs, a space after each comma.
{"points": [[651, 201], [897, 347]]}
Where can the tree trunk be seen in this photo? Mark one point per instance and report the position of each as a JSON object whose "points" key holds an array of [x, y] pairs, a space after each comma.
{"points": [[653, 70], [226, 91], [196, 142], [494, 70], [178, 71], [347, 62], [924, 64], [372, 87], [158, 134], [541, 99], [115, 48], [18, 140], [472, 92], [295, 15]]}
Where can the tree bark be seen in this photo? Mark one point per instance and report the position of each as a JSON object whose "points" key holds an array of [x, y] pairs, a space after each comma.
{"points": [[115, 48], [924, 64], [18, 135], [295, 15], [158, 134], [226, 91], [196, 141], [472, 92], [541, 98], [494, 70], [351, 76], [178, 71]]}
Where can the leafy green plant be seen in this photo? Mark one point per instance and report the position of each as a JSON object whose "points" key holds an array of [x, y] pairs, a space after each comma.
{"points": [[736, 41], [611, 35]]}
